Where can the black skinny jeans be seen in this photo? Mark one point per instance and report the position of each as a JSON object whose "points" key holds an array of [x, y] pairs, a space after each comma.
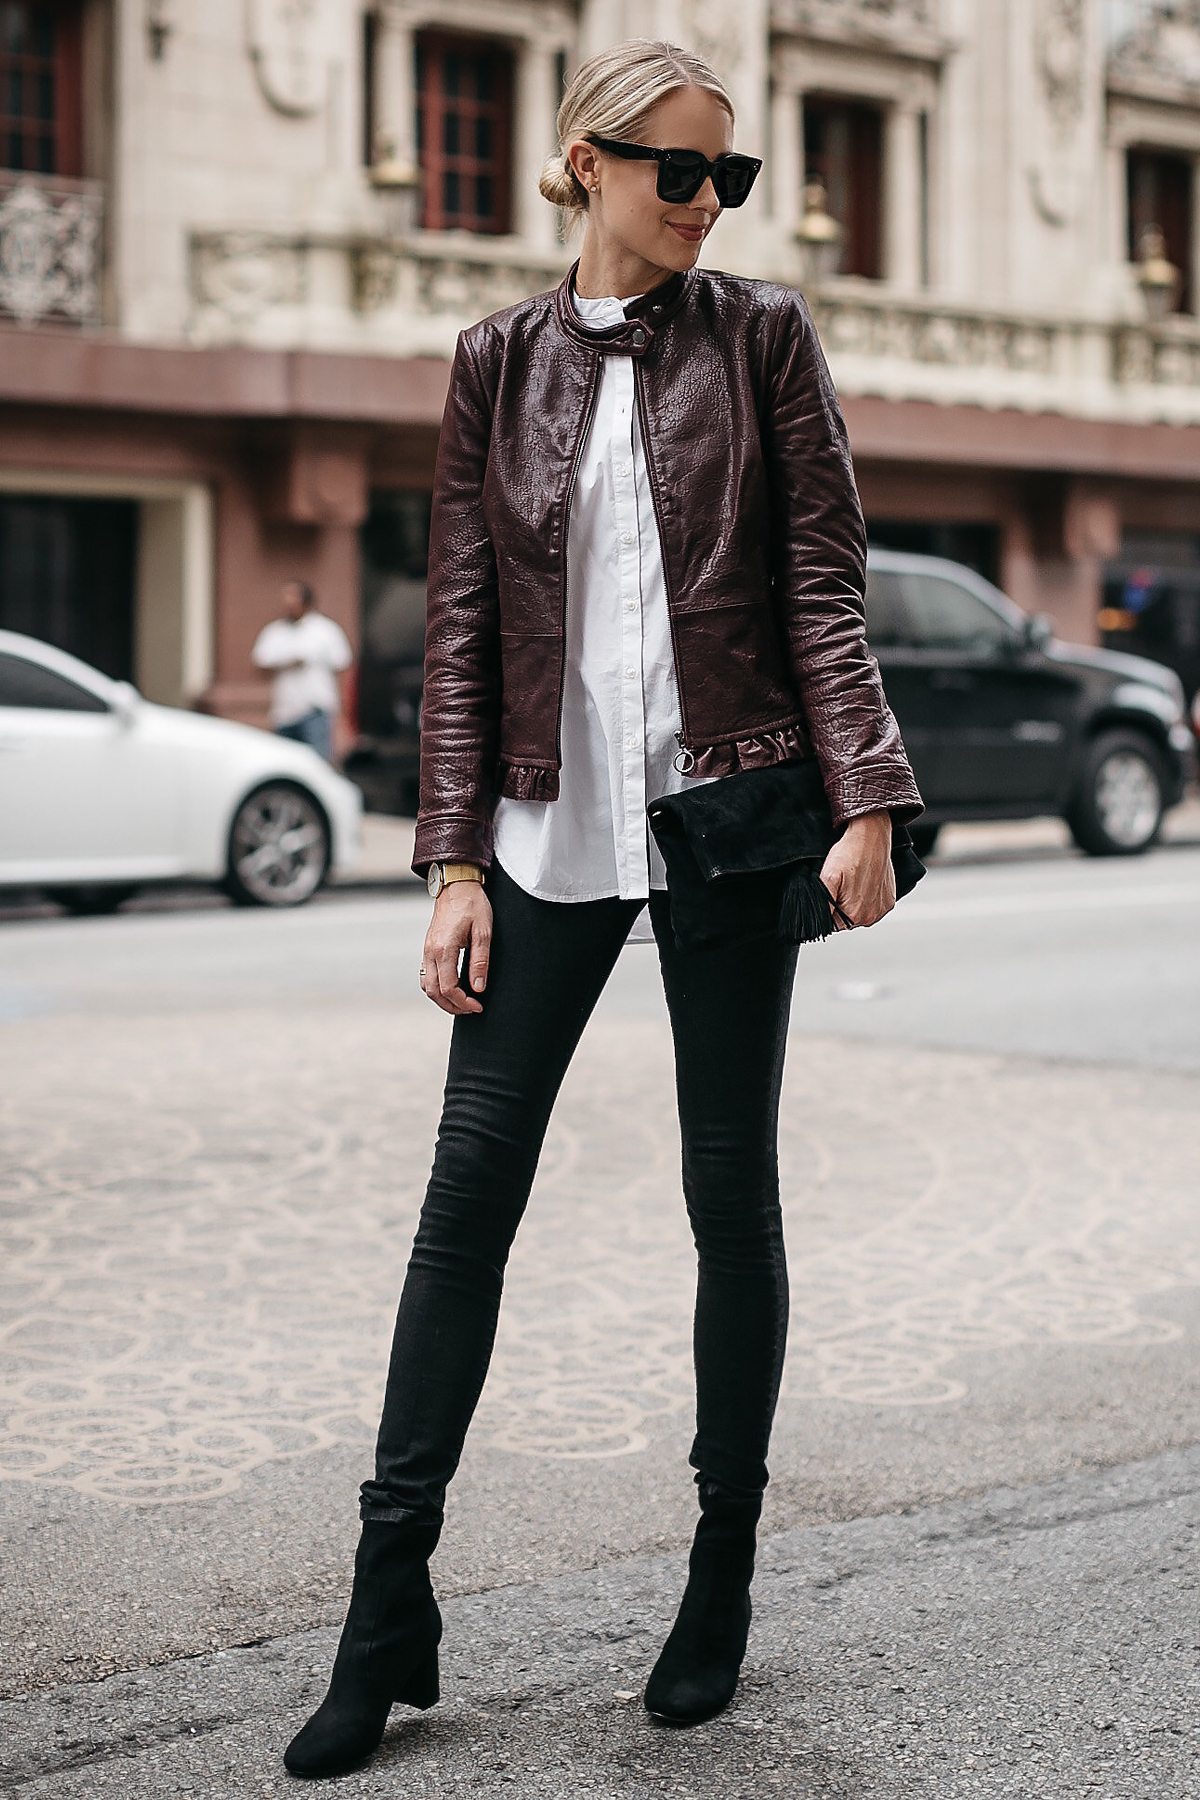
{"points": [[729, 1012]]}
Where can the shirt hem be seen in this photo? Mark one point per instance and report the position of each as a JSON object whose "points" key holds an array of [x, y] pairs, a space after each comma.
{"points": [[579, 899]]}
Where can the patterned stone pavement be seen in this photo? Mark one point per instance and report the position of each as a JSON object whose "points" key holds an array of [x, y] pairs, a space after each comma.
{"points": [[204, 1219]]}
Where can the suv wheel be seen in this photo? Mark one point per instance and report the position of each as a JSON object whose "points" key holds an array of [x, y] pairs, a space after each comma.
{"points": [[1119, 804], [279, 847]]}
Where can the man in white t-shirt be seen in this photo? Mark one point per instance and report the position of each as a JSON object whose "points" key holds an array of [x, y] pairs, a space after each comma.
{"points": [[305, 652]]}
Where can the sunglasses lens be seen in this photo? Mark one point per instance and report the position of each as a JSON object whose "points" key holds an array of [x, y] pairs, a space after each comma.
{"points": [[734, 179], [680, 177]]}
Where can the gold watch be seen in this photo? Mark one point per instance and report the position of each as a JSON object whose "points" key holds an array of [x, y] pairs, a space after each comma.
{"points": [[442, 874]]}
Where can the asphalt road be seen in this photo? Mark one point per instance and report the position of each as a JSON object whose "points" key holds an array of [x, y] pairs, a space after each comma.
{"points": [[979, 1575]]}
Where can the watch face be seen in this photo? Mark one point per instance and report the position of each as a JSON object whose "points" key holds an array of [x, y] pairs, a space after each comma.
{"points": [[434, 879]]}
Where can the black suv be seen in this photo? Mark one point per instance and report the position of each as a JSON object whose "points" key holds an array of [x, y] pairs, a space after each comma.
{"points": [[1003, 721]]}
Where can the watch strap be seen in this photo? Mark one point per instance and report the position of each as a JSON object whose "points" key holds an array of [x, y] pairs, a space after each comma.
{"points": [[460, 872]]}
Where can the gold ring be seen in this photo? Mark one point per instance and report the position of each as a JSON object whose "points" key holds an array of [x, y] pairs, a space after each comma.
{"points": [[421, 970]]}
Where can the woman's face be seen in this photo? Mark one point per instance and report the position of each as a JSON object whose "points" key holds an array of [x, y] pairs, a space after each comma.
{"points": [[624, 207]]}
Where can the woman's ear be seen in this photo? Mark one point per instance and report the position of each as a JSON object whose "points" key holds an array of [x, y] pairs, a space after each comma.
{"points": [[584, 159]]}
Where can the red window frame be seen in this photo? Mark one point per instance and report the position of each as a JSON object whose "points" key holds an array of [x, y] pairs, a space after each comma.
{"points": [[843, 148], [464, 132], [40, 70], [1159, 184]]}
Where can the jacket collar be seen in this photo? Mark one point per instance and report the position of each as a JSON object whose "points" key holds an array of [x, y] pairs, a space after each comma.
{"points": [[643, 316]]}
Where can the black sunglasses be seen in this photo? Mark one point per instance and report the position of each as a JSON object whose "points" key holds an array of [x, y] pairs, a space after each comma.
{"points": [[682, 173]]}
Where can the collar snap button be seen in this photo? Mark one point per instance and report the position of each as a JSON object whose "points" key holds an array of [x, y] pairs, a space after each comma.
{"points": [[638, 336]]}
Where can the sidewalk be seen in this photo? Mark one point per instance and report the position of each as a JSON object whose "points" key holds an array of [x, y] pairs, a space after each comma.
{"points": [[388, 843]]}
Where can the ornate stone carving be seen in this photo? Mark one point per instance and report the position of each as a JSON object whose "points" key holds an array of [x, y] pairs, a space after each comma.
{"points": [[285, 41], [243, 273], [474, 288], [374, 268], [238, 276], [856, 18], [50, 248], [1162, 51], [716, 33], [1057, 176], [1060, 58], [1169, 358], [893, 331]]}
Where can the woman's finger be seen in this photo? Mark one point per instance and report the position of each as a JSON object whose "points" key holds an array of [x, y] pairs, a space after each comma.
{"points": [[835, 887], [453, 998], [477, 962]]}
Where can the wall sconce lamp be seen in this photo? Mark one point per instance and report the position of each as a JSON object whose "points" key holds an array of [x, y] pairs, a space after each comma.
{"points": [[1158, 278], [158, 28], [819, 236]]}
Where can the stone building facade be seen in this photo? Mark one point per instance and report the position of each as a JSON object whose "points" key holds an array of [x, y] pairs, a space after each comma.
{"points": [[238, 238]]}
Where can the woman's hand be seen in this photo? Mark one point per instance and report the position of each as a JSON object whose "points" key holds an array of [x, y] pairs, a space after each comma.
{"points": [[462, 920], [858, 871]]}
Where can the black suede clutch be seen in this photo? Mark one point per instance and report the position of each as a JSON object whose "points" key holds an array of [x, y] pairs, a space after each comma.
{"points": [[744, 856]]}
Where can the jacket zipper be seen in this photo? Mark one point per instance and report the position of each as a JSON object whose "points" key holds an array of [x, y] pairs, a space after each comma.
{"points": [[681, 737], [590, 408]]}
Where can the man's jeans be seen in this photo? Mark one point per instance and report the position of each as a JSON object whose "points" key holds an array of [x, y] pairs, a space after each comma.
{"points": [[314, 729]]}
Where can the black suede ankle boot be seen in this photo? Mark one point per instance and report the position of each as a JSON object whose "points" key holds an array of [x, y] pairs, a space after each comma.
{"points": [[696, 1675], [387, 1652]]}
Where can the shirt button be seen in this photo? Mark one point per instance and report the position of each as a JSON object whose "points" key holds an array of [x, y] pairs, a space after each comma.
{"points": [[631, 672], [631, 606], [627, 537], [623, 469]]}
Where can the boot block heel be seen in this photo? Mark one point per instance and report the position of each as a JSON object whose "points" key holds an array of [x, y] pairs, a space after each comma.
{"points": [[421, 1689]]}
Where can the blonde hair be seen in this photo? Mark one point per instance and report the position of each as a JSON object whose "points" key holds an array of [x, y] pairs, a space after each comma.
{"points": [[611, 95]]}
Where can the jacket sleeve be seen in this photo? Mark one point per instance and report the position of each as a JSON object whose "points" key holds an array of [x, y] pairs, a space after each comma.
{"points": [[461, 700], [820, 576]]}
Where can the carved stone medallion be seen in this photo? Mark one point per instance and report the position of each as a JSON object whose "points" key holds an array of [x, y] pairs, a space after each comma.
{"points": [[284, 40]]}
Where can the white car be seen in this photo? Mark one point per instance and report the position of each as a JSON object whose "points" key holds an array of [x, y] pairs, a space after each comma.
{"points": [[102, 791]]}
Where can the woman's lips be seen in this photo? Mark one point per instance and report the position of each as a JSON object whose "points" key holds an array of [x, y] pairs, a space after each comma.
{"points": [[691, 234]]}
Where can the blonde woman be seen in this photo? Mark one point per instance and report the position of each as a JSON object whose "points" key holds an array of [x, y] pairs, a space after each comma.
{"points": [[646, 569]]}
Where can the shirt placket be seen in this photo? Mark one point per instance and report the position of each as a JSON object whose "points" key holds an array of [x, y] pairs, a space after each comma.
{"points": [[633, 872]]}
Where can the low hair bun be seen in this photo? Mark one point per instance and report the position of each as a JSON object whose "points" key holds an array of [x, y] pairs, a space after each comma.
{"points": [[559, 185]]}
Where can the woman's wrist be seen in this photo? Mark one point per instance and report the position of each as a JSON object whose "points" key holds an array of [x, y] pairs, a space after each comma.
{"points": [[871, 825]]}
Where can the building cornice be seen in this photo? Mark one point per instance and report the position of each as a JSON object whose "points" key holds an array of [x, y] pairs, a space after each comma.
{"points": [[921, 432], [63, 368]]}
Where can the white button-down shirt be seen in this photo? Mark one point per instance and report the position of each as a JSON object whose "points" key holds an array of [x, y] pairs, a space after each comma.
{"points": [[620, 698]]}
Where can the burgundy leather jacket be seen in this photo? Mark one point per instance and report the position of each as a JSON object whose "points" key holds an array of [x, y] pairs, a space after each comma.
{"points": [[762, 539]]}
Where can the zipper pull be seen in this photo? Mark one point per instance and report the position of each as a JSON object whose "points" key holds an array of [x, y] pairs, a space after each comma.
{"points": [[682, 767]]}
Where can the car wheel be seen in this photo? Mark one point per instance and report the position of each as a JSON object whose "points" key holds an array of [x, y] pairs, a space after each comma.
{"points": [[279, 847], [91, 900], [924, 838], [1119, 804]]}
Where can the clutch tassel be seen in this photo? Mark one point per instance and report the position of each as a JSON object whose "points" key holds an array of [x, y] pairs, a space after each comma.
{"points": [[805, 913]]}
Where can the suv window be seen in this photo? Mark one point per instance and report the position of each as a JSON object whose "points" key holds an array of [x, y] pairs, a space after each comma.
{"points": [[887, 624], [25, 683], [944, 616]]}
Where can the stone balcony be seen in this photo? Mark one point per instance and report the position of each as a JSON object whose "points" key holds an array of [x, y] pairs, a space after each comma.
{"points": [[411, 294], [925, 348], [51, 250]]}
